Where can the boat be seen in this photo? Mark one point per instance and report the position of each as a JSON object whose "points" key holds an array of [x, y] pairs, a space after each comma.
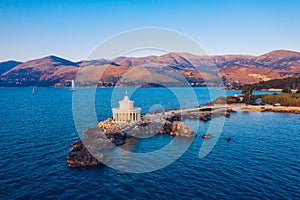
{"points": [[33, 91], [72, 89]]}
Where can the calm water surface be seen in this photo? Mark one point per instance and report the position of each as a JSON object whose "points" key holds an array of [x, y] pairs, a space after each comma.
{"points": [[261, 160]]}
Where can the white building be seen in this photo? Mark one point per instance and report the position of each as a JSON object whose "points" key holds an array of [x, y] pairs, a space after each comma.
{"points": [[126, 112]]}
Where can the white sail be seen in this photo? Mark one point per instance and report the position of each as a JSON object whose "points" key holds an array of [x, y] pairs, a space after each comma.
{"points": [[73, 84]]}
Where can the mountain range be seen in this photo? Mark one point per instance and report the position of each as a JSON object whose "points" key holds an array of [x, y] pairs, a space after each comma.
{"points": [[52, 71]]}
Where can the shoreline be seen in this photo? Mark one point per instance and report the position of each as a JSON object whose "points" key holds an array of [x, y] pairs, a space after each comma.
{"points": [[241, 107]]}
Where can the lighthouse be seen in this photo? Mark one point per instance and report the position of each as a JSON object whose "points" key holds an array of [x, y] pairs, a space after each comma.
{"points": [[126, 112]]}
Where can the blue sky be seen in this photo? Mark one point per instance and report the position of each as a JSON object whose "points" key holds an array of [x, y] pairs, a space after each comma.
{"points": [[72, 29]]}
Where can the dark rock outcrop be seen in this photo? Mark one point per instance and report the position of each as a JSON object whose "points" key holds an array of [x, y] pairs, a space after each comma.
{"points": [[79, 156]]}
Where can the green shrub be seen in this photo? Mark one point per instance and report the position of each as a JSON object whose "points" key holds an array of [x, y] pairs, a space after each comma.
{"points": [[286, 99]]}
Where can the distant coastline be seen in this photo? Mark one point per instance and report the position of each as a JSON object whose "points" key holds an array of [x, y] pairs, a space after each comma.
{"points": [[234, 71]]}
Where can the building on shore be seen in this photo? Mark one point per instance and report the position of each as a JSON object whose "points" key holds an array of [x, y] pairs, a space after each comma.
{"points": [[126, 112]]}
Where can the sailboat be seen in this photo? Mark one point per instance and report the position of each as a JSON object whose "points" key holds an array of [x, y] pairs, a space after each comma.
{"points": [[33, 91], [72, 89]]}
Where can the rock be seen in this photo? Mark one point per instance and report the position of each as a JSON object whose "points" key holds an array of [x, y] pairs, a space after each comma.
{"points": [[206, 136], [205, 117], [79, 156], [179, 128], [172, 134], [227, 114], [231, 110]]}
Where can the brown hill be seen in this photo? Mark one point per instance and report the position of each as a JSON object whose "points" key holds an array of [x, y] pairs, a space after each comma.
{"points": [[53, 71], [44, 72], [170, 59], [7, 65], [273, 65]]}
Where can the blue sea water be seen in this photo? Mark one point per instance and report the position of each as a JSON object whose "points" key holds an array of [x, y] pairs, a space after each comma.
{"points": [[260, 162]]}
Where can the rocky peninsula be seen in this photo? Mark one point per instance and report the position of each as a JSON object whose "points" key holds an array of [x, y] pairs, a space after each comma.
{"points": [[108, 134], [96, 142]]}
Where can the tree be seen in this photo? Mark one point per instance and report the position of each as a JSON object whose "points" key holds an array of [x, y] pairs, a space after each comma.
{"points": [[287, 91], [247, 94]]}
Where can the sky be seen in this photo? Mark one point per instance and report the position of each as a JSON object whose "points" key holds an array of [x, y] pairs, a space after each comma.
{"points": [[72, 29]]}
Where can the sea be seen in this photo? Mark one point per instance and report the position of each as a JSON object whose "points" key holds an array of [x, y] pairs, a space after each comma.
{"points": [[260, 162]]}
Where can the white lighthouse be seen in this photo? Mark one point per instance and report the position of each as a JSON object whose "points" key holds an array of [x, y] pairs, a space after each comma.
{"points": [[126, 112]]}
